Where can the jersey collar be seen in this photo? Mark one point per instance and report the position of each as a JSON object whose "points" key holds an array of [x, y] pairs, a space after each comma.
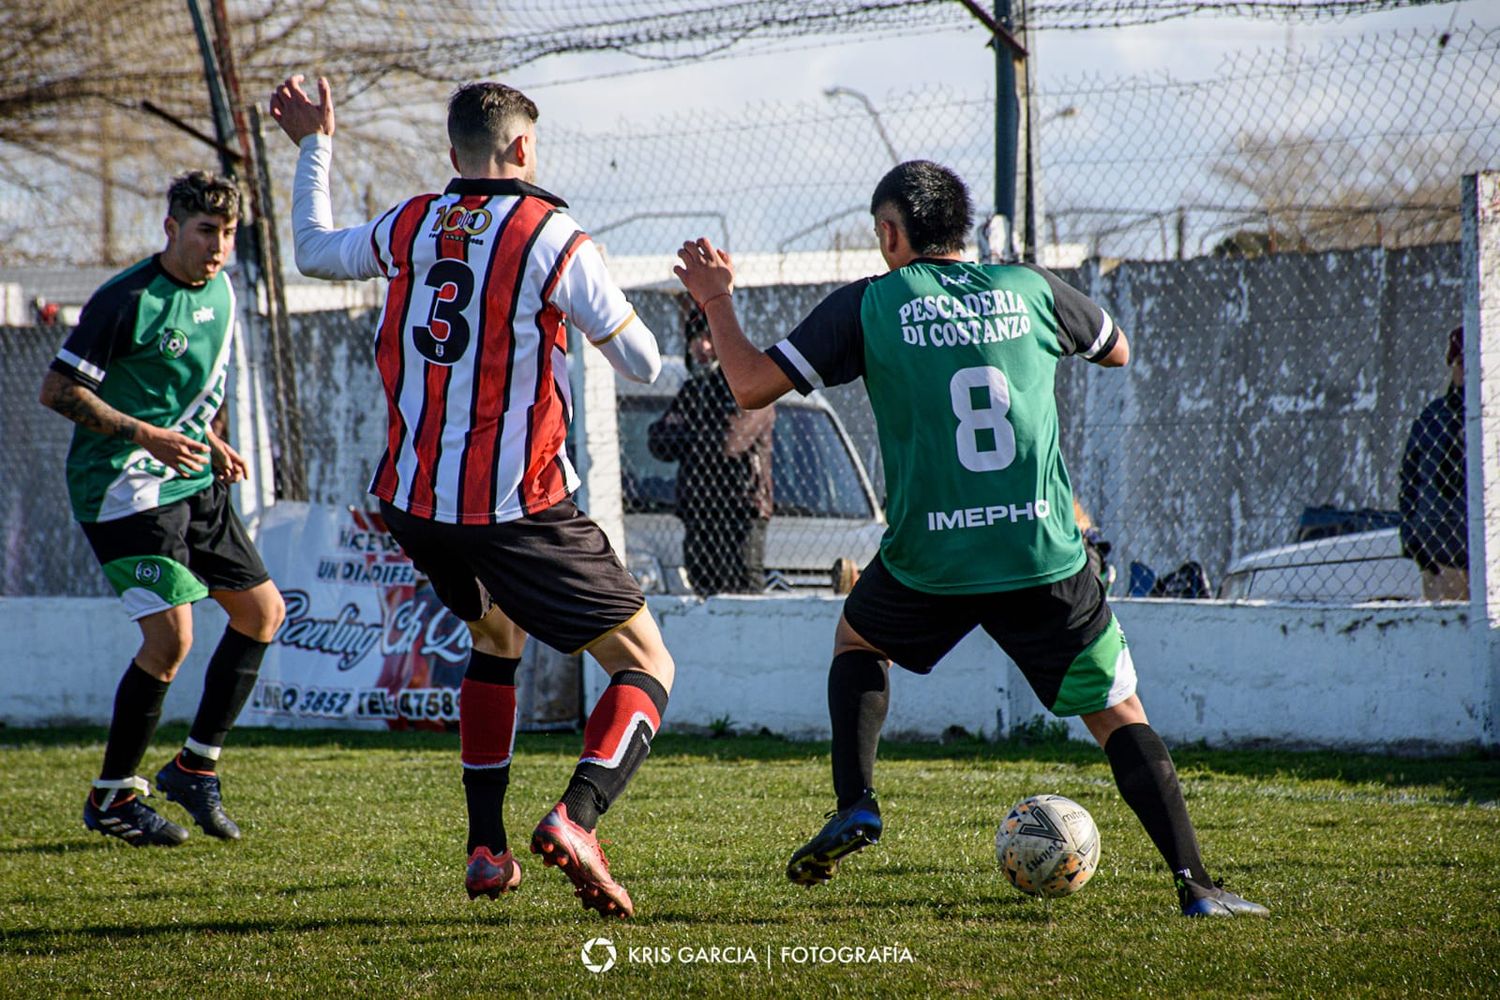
{"points": [[494, 187]]}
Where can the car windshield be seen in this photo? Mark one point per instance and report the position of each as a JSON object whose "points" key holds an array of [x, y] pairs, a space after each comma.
{"points": [[812, 472]]}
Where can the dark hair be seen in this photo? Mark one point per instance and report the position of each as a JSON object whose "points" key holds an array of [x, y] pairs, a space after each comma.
{"points": [[483, 115], [933, 203], [202, 193], [1455, 344]]}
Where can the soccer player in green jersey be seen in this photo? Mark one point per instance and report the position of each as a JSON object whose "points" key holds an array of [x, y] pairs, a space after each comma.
{"points": [[142, 375], [959, 361]]}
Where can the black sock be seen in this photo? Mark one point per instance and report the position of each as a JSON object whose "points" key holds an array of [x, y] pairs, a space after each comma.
{"points": [[616, 740], [484, 791], [226, 687], [137, 710], [1148, 783], [858, 697], [487, 737]]}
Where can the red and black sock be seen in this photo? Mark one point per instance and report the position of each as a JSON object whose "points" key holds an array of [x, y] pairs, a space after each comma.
{"points": [[616, 739], [858, 698], [227, 684], [137, 710], [486, 737], [1147, 780]]}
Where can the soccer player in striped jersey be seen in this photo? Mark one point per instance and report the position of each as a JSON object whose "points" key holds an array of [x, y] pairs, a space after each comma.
{"points": [[959, 361], [142, 375], [474, 483]]}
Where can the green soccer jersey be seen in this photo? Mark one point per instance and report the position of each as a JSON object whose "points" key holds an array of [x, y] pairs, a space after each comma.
{"points": [[959, 361], [157, 350]]}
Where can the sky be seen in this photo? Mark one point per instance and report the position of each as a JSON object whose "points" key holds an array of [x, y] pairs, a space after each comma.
{"points": [[1188, 48]]}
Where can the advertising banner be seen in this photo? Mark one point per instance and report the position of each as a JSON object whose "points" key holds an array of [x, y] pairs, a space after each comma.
{"points": [[366, 643]]}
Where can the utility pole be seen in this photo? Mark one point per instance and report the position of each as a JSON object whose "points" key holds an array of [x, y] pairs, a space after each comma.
{"points": [[998, 236], [257, 256]]}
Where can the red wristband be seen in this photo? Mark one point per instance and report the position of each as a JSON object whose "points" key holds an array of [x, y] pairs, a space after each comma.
{"points": [[722, 295]]}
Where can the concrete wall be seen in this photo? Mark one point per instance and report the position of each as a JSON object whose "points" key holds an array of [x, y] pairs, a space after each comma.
{"points": [[1403, 678], [1373, 678]]}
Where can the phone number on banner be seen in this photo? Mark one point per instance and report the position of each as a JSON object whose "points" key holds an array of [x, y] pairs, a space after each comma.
{"points": [[430, 704]]}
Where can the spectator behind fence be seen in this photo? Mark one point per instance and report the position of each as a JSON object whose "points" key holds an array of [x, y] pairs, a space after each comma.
{"points": [[724, 475], [1434, 496]]}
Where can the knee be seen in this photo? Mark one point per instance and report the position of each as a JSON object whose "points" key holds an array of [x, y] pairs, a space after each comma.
{"points": [[262, 618], [163, 655]]}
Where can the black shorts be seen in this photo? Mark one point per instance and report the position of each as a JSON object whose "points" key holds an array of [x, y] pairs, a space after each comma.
{"points": [[553, 573], [1062, 635], [175, 554]]}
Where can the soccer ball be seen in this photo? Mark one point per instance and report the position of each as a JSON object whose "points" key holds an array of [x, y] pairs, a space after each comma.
{"points": [[1048, 846]]}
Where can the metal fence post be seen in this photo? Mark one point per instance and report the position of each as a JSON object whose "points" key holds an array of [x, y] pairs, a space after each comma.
{"points": [[1481, 248]]}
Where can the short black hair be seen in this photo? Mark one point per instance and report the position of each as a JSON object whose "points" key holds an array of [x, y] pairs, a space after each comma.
{"points": [[484, 115], [933, 203], [201, 193]]}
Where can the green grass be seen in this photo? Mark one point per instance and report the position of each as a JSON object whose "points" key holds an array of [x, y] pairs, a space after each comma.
{"points": [[1383, 875]]}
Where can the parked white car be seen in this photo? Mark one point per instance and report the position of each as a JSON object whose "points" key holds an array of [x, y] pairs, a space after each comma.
{"points": [[825, 507], [1343, 569]]}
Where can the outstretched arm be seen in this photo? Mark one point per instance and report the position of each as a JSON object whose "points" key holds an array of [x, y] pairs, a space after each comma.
{"points": [[708, 275], [321, 251]]}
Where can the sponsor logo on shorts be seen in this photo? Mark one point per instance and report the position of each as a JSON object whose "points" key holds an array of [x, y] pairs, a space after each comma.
{"points": [[173, 343], [148, 573]]}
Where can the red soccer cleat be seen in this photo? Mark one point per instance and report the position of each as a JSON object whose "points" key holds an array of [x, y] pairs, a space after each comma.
{"points": [[489, 876], [563, 844]]}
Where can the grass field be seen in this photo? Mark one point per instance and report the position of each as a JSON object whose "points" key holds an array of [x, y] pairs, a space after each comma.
{"points": [[1383, 875]]}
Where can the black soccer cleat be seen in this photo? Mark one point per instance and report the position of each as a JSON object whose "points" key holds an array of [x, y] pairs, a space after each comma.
{"points": [[132, 821], [198, 793], [1215, 902], [847, 830]]}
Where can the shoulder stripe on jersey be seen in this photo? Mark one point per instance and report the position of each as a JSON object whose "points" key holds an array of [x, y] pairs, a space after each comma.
{"points": [[502, 290], [803, 366], [1101, 341], [72, 360], [560, 265], [389, 356], [375, 241], [616, 331]]}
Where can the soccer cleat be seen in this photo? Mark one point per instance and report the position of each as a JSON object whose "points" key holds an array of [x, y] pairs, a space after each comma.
{"points": [[1216, 902], [847, 830], [574, 851], [198, 793], [489, 876], [130, 819]]}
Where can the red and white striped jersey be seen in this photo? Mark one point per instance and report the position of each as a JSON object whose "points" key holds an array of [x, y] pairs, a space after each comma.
{"points": [[471, 345]]}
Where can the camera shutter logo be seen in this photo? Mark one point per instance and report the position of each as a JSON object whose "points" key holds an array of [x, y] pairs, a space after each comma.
{"points": [[173, 343], [147, 572], [598, 954]]}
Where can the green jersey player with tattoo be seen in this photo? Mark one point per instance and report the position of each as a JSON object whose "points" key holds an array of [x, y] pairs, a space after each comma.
{"points": [[143, 375]]}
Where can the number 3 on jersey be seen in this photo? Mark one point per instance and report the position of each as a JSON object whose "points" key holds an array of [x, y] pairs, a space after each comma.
{"points": [[444, 337], [986, 440]]}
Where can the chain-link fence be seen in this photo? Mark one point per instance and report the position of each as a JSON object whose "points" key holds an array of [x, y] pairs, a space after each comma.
{"points": [[1278, 239]]}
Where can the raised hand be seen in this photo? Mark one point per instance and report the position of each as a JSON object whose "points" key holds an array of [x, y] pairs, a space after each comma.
{"points": [[296, 113]]}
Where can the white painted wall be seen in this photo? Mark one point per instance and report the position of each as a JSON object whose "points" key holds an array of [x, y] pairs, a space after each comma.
{"points": [[1376, 677], [1373, 677]]}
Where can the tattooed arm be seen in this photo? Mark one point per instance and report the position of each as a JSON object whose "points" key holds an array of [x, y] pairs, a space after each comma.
{"points": [[84, 407]]}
